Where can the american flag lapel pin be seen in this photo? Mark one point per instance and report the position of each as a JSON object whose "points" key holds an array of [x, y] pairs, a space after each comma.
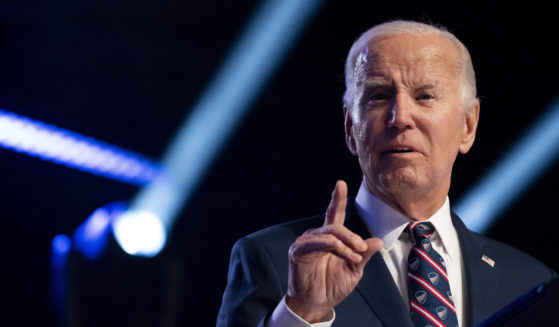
{"points": [[488, 260]]}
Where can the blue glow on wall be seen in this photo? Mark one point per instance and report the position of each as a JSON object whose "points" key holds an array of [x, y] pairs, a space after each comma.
{"points": [[71, 149], [262, 46], [513, 174]]}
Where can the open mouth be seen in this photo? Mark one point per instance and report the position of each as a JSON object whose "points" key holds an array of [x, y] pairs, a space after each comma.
{"points": [[400, 150]]}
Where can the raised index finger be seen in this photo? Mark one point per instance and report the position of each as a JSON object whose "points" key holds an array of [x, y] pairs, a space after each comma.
{"points": [[335, 214]]}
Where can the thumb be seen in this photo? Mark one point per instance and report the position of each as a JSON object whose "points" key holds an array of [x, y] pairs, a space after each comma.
{"points": [[373, 245]]}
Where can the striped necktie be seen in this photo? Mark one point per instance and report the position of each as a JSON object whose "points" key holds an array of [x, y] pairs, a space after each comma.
{"points": [[430, 297]]}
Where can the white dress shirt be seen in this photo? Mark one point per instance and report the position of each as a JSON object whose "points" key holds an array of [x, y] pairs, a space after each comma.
{"points": [[388, 224]]}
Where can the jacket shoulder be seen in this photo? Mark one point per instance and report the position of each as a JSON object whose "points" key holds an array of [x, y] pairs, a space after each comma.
{"points": [[287, 231], [516, 263], [512, 261]]}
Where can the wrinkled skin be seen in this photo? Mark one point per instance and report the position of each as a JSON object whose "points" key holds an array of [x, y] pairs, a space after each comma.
{"points": [[408, 121]]}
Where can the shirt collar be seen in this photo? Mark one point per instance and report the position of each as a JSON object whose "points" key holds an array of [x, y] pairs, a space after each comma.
{"points": [[388, 224], [382, 220]]}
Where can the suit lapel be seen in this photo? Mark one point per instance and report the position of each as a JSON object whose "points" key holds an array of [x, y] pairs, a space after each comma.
{"points": [[481, 278], [380, 292], [377, 286]]}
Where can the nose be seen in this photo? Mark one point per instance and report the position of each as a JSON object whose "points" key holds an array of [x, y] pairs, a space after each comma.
{"points": [[399, 114]]}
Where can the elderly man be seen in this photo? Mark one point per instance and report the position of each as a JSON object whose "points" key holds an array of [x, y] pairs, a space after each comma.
{"points": [[396, 255]]}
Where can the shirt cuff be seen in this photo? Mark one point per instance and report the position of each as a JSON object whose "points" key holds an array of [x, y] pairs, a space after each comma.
{"points": [[284, 317]]}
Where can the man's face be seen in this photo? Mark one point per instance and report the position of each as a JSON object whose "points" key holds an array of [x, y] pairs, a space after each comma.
{"points": [[408, 122]]}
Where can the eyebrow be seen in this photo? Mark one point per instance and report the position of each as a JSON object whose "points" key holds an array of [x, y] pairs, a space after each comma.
{"points": [[381, 80], [427, 86], [377, 81]]}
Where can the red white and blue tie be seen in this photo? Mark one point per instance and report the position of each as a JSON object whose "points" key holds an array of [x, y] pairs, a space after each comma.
{"points": [[430, 297]]}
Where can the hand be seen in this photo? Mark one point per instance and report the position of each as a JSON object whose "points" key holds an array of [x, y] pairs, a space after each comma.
{"points": [[325, 264]]}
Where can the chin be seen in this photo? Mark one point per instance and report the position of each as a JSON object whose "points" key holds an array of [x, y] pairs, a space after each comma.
{"points": [[398, 181]]}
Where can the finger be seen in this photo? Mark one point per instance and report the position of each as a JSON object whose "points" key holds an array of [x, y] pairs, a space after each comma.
{"points": [[349, 238], [308, 244], [373, 245], [335, 214], [311, 231]]}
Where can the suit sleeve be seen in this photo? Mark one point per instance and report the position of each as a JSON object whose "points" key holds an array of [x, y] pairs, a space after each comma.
{"points": [[253, 287]]}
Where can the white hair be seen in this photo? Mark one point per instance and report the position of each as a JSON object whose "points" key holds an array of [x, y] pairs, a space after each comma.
{"points": [[468, 79]]}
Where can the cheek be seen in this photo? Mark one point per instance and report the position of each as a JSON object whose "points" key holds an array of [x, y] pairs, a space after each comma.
{"points": [[446, 140], [361, 132], [367, 126], [365, 136]]}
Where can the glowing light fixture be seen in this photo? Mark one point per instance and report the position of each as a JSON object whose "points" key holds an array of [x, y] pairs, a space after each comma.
{"points": [[61, 146], [61, 244], [139, 233], [516, 171], [260, 49]]}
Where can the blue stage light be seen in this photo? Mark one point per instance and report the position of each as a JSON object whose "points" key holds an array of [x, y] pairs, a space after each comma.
{"points": [[61, 245], [90, 238], [513, 174], [140, 233], [262, 46], [61, 146]]}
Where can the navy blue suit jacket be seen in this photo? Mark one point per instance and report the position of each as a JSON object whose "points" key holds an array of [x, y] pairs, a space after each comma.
{"points": [[257, 278]]}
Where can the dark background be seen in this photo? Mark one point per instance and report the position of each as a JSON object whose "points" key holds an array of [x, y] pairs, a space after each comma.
{"points": [[127, 72]]}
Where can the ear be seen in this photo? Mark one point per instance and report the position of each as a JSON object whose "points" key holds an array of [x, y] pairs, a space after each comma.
{"points": [[349, 138], [470, 126]]}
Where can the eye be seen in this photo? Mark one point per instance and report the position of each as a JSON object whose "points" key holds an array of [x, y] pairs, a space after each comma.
{"points": [[424, 97], [379, 96], [375, 96]]}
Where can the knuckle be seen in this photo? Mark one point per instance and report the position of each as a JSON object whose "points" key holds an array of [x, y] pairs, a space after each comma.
{"points": [[336, 244], [334, 228], [310, 231], [297, 249], [339, 245], [292, 250]]}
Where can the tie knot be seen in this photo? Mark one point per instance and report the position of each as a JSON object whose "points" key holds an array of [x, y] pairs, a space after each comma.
{"points": [[421, 230]]}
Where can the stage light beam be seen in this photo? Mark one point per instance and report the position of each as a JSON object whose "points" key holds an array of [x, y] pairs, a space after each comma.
{"points": [[74, 150], [513, 174], [264, 43]]}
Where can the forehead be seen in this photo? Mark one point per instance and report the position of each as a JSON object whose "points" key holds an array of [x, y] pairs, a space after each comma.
{"points": [[412, 55]]}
